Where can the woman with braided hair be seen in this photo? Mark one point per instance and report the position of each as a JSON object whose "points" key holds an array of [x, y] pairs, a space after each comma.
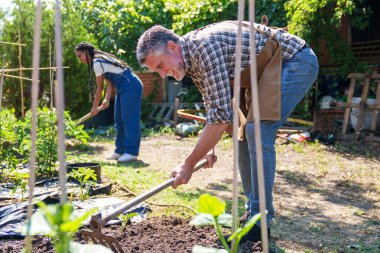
{"points": [[116, 73]]}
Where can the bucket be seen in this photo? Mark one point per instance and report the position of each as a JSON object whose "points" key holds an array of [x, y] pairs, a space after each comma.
{"points": [[367, 114], [94, 166]]}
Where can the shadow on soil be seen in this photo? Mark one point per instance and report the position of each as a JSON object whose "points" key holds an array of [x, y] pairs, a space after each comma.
{"points": [[343, 192], [367, 150], [317, 227]]}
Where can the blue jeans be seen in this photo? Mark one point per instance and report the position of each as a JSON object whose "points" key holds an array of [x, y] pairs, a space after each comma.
{"points": [[298, 75], [127, 111]]}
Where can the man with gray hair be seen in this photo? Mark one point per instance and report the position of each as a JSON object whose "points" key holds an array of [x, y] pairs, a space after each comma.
{"points": [[286, 69]]}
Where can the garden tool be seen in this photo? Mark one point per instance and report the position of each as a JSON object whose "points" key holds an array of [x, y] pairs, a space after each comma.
{"points": [[86, 117], [98, 221]]}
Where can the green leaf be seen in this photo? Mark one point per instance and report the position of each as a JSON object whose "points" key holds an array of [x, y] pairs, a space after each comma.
{"points": [[240, 232], [201, 249], [73, 225], [225, 220], [202, 219], [211, 205], [38, 225]]}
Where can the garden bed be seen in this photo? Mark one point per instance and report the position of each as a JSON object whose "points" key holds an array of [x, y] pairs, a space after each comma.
{"points": [[155, 234]]}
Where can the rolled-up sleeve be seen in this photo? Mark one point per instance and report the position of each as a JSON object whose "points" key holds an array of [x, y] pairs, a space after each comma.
{"points": [[212, 58]]}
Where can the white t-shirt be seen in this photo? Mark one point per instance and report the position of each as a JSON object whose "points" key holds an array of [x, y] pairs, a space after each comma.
{"points": [[101, 67]]}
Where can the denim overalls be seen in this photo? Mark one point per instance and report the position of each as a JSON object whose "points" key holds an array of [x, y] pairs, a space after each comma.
{"points": [[127, 110]]}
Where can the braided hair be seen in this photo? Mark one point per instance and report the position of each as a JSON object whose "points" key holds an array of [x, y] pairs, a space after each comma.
{"points": [[91, 54]]}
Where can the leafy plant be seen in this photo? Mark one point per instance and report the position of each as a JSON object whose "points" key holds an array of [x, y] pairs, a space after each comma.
{"points": [[60, 224], [83, 176], [8, 141], [20, 179], [47, 140], [126, 219], [211, 212]]}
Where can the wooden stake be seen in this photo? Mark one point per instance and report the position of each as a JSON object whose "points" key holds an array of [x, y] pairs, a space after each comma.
{"points": [[12, 43], [17, 77], [60, 103], [33, 132], [1, 84], [43, 68], [257, 123], [20, 74]]}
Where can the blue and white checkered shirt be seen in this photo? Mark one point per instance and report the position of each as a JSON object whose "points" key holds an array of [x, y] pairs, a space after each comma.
{"points": [[209, 55]]}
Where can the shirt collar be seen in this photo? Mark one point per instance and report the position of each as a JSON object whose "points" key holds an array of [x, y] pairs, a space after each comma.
{"points": [[185, 53]]}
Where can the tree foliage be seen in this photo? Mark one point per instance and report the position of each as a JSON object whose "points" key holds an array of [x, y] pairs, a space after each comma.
{"points": [[21, 17], [115, 25], [318, 22]]}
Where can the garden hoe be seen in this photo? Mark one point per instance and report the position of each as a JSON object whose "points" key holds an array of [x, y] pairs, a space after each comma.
{"points": [[86, 117], [97, 221]]}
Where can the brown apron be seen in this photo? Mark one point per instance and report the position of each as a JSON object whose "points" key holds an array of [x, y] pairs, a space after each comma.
{"points": [[269, 66]]}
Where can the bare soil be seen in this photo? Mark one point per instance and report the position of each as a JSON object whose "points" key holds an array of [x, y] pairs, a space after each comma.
{"points": [[165, 234]]}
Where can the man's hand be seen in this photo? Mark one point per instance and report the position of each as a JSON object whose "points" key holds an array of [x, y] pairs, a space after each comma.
{"points": [[211, 159], [182, 174]]}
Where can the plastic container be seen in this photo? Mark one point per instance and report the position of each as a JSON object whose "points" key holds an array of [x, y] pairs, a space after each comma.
{"points": [[367, 114]]}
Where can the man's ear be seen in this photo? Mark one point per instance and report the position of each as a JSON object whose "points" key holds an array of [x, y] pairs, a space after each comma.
{"points": [[172, 45]]}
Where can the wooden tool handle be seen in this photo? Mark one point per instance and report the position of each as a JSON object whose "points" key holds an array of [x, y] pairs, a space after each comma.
{"points": [[87, 116], [133, 202]]}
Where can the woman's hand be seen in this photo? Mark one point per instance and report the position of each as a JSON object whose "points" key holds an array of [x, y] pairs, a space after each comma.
{"points": [[105, 104], [94, 111]]}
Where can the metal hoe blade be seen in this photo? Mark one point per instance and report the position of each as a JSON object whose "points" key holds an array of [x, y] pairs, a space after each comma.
{"points": [[98, 237]]}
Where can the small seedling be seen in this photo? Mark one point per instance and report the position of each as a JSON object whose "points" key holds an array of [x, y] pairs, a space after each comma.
{"points": [[60, 224], [83, 176], [126, 218], [211, 212], [21, 182]]}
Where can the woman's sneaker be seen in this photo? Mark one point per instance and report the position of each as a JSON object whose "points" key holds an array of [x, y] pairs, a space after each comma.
{"points": [[113, 156], [127, 158]]}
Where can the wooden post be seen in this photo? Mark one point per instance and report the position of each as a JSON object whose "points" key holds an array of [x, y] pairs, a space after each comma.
{"points": [[175, 114], [1, 84], [348, 105], [20, 74], [375, 111], [50, 76], [362, 104]]}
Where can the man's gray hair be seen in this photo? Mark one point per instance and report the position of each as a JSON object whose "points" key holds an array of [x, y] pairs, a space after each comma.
{"points": [[154, 40]]}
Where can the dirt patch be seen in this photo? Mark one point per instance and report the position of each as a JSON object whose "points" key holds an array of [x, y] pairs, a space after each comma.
{"points": [[165, 234]]}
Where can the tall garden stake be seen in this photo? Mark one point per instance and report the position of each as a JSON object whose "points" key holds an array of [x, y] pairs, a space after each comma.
{"points": [[35, 89], [236, 118], [60, 101], [256, 120]]}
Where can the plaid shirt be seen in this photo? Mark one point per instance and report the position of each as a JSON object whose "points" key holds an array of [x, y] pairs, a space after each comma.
{"points": [[209, 55]]}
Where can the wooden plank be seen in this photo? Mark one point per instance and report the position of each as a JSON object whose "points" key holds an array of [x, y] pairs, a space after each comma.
{"points": [[362, 105], [355, 105], [161, 112], [363, 75], [170, 112], [348, 109], [175, 115], [375, 112]]}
